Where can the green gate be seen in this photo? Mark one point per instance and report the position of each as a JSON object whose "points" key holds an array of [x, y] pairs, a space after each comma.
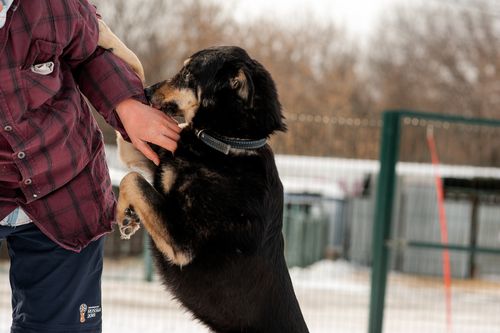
{"points": [[383, 242]]}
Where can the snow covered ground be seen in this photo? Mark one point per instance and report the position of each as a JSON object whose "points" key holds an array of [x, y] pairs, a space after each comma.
{"points": [[334, 297]]}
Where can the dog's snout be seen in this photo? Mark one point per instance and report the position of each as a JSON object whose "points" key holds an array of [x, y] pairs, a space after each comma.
{"points": [[153, 96], [148, 92]]}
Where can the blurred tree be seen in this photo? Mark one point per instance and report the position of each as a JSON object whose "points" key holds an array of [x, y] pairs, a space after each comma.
{"points": [[315, 69], [313, 64], [441, 58], [164, 32]]}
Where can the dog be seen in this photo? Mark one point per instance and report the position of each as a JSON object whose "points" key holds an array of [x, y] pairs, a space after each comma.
{"points": [[214, 208]]}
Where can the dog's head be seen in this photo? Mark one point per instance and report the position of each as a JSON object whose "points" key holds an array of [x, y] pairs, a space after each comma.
{"points": [[223, 90]]}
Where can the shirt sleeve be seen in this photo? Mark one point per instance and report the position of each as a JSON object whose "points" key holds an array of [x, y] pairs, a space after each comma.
{"points": [[102, 77]]}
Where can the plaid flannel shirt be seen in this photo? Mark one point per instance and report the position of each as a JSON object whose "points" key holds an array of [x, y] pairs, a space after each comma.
{"points": [[52, 161]]}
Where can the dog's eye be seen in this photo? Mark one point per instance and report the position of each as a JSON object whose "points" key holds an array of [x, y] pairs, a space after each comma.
{"points": [[187, 76]]}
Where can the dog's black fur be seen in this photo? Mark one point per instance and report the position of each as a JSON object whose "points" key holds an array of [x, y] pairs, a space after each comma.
{"points": [[216, 219]]}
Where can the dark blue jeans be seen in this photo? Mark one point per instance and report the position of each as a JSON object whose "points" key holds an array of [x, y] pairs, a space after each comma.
{"points": [[53, 290]]}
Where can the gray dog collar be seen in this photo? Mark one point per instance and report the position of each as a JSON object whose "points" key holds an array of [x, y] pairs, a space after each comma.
{"points": [[224, 144]]}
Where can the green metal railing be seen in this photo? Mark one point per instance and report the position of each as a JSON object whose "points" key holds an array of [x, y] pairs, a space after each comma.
{"points": [[382, 242]]}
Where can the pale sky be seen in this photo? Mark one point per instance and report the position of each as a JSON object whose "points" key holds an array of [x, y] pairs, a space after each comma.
{"points": [[358, 16]]}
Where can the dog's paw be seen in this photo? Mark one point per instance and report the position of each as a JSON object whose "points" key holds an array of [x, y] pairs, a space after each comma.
{"points": [[130, 223]]}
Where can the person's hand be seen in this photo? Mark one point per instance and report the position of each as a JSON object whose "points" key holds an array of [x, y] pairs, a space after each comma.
{"points": [[145, 124]]}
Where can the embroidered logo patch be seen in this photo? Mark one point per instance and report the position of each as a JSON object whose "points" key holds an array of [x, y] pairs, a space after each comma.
{"points": [[83, 309], [89, 312], [92, 311]]}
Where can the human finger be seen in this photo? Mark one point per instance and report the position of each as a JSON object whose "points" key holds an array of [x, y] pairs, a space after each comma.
{"points": [[175, 127], [164, 142], [171, 123], [171, 134], [146, 150]]}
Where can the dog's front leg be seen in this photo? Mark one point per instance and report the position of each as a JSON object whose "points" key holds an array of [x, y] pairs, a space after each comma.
{"points": [[139, 202]]}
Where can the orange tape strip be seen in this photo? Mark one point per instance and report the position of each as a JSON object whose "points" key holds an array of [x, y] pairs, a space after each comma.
{"points": [[443, 225]]}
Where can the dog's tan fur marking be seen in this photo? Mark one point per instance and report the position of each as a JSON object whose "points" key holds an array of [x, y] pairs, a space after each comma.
{"points": [[109, 41], [133, 158], [241, 79], [130, 197], [167, 178], [125, 199]]}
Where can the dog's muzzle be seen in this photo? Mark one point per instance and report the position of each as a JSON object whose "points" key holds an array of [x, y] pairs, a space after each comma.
{"points": [[150, 93]]}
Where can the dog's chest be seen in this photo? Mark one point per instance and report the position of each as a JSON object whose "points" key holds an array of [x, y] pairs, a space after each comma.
{"points": [[179, 175]]}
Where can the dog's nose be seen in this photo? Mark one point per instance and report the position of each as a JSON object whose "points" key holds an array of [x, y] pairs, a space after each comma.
{"points": [[149, 93]]}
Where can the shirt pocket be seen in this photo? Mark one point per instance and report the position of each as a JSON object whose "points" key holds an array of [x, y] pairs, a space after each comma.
{"points": [[41, 75]]}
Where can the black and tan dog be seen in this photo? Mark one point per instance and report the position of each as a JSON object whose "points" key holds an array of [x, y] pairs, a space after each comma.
{"points": [[214, 210]]}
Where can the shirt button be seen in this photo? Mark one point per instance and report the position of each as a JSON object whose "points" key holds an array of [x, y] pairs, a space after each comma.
{"points": [[7, 128], [28, 181], [21, 155]]}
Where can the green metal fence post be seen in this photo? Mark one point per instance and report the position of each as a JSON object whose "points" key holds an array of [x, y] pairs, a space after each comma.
{"points": [[389, 151], [148, 261]]}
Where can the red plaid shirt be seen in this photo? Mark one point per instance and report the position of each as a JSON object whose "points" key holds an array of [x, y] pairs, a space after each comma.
{"points": [[51, 151]]}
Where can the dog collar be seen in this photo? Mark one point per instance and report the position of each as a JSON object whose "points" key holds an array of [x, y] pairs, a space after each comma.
{"points": [[224, 144]]}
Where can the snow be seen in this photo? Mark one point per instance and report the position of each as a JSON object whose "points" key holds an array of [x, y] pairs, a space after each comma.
{"points": [[334, 297]]}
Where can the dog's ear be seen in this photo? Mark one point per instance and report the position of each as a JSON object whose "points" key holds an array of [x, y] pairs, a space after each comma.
{"points": [[243, 84]]}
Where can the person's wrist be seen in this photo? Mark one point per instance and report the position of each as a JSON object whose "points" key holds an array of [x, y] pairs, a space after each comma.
{"points": [[123, 106]]}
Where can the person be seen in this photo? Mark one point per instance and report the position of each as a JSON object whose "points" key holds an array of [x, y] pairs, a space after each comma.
{"points": [[56, 199]]}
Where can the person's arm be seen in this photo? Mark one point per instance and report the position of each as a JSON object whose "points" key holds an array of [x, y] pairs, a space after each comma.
{"points": [[114, 89]]}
